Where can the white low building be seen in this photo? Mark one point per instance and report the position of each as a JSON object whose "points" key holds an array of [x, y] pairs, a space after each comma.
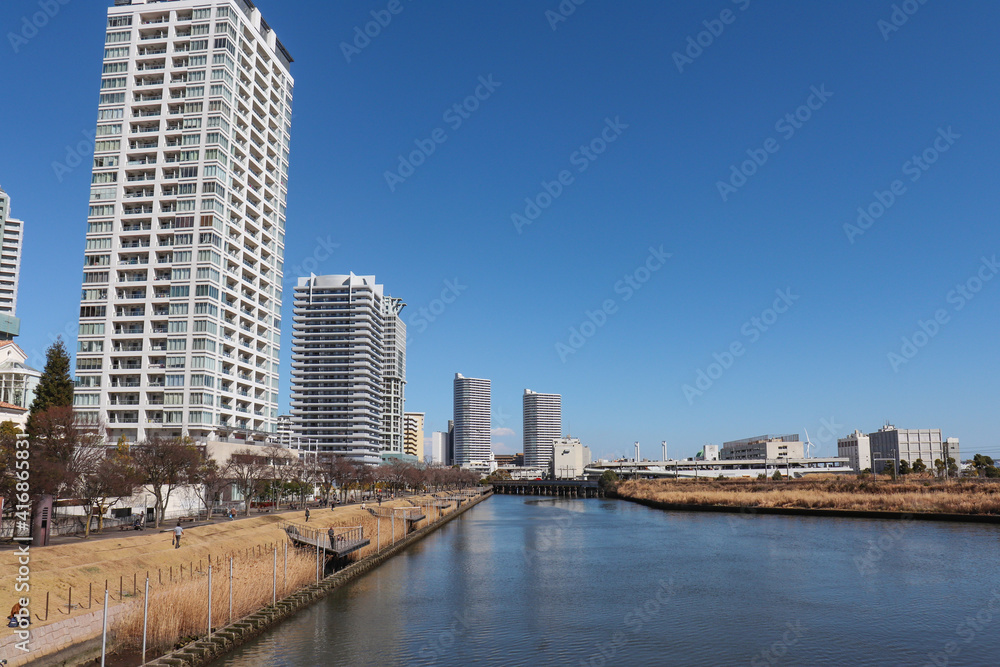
{"points": [[569, 458]]}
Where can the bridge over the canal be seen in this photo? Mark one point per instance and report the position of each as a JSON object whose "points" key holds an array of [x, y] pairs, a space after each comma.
{"points": [[568, 488]]}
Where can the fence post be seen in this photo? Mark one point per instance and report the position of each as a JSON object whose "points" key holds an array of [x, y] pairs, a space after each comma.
{"points": [[69, 605], [210, 600], [284, 576], [230, 589], [145, 616], [274, 578], [104, 629], [378, 534]]}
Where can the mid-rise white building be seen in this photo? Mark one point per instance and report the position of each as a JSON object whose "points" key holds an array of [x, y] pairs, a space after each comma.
{"points": [[542, 425], [439, 448], [339, 350], [180, 323], [569, 458], [472, 422], [910, 444], [763, 447], [858, 450], [11, 232], [413, 435]]}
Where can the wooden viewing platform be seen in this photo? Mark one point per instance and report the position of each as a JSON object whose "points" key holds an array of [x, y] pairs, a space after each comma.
{"points": [[409, 514], [345, 540]]}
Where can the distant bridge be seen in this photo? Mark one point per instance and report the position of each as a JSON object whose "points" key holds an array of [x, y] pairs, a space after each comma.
{"points": [[568, 488]]}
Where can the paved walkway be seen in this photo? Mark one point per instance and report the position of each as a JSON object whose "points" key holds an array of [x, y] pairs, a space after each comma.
{"points": [[167, 526]]}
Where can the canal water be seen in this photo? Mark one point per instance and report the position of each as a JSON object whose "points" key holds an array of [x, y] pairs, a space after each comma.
{"points": [[539, 581]]}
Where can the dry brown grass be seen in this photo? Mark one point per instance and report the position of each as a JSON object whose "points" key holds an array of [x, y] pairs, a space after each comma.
{"points": [[958, 497], [180, 611], [86, 563]]}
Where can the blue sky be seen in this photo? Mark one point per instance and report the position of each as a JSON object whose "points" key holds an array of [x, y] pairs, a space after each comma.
{"points": [[879, 96]]}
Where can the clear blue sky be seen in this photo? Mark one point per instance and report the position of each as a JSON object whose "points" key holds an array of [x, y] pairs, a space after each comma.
{"points": [[883, 100]]}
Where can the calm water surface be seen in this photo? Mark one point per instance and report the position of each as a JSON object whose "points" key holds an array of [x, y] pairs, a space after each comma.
{"points": [[538, 581]]}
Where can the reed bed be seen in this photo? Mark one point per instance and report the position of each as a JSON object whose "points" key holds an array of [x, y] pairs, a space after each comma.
{"points": [[181, 611], [958, 497]]}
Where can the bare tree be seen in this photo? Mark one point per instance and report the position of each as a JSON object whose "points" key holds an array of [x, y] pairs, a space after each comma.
{"points": [[248, 468], [210, 479], [164, 465], [107, 474]]}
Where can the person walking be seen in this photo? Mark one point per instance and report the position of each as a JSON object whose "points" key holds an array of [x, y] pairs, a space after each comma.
{"points": [[178, 531], [307, 515]]}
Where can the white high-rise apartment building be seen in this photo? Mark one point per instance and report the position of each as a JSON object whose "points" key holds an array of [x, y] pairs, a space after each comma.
{"points": [[472, 421], [393, 375], [11, 230], [341, 358], [542, 426], [180, 311]]}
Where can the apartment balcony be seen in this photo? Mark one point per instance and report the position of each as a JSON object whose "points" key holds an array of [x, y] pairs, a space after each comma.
{"points": [[137, 210]]}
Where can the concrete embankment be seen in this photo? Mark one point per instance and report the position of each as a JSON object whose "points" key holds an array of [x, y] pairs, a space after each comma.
{"points": [[204, 650]]}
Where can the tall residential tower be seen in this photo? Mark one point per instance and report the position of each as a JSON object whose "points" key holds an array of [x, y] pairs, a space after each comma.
{"points": [[472, 421], [345, 367], [11, 230], [180, 308], [542, 425]]}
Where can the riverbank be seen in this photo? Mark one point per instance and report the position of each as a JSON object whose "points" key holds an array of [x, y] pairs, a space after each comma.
{"points": [[72, 576], [225, 639], [965, 500]]}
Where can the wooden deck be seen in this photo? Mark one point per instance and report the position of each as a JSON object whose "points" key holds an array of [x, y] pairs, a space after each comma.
{"points": [[345, 540]]}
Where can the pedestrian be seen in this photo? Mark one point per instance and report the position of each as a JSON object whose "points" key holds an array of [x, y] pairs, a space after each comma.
{"points": [[178, 531], [307, 515], [331, 536], [13, 620]]}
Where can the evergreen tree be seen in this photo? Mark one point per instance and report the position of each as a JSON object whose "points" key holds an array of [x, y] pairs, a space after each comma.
{"points": [[55, 387]]}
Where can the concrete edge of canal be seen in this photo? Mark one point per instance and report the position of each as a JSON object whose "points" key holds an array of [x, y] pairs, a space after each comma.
{"points": [[227, 638]]}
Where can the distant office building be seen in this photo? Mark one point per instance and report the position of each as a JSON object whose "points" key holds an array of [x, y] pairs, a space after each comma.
{"points": [[472, 421], [413, 435], [763, 447], [11, 230], [439, 448], [509, 460], [902, 444], [339, 350], [569, 458], [542, 425], [708, 453], [857, 449]]}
